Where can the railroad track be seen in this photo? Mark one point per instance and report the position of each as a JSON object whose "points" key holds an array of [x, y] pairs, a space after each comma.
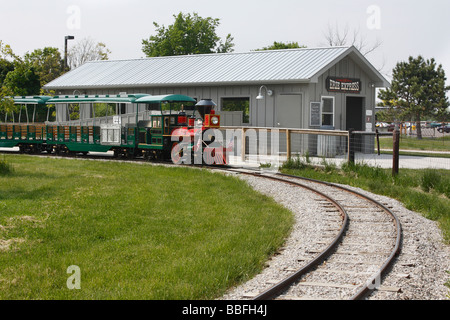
{"points": [[355, 254]]}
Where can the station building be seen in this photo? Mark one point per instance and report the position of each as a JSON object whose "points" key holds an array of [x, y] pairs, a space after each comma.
{"points": [[297, 88], [309, 88]]}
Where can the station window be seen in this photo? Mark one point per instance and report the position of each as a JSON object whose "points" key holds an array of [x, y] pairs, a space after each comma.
{"points": [[123, 108], [327, 111], [238, 104], [152, 107]]}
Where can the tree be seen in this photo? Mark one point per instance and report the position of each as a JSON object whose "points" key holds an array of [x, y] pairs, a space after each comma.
{"points": [[6, 102], [47, 62], [5, 67], [23, 80], [6, 51], [336, 37], [418, 88], [189, 34], [86, 50], [281, 45], [7, 105], [17, 78]]}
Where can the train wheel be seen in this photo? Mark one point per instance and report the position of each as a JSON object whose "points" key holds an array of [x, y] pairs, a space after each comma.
{"points": [[176, 154], [153, 155], [130, 154], [38, 149], [148, 155], [32, 149]]}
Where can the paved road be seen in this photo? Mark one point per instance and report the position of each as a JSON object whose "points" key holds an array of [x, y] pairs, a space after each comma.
{"points": [[383, 160]]}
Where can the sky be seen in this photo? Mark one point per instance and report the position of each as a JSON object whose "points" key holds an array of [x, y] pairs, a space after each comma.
{"points": [[404, 28]]}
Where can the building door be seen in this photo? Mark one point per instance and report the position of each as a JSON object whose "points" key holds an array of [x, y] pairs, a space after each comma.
{"points": [[289, 111], [354, 118]]}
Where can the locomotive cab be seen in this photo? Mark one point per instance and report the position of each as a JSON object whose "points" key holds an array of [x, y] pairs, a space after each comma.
{"points": [[205, 109]]}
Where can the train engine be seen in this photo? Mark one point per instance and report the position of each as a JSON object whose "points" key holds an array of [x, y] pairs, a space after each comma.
{"points": [[200, 141]]}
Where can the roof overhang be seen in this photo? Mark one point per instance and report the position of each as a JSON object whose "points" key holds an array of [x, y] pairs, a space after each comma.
{"points": [[131, 98], [180, 84], [165, 98], [377, 78], [41, 100]]}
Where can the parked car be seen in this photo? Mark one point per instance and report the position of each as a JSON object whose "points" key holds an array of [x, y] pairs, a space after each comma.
{"points": [[445, 129], [384, 124], [435, 125], [391, 127], [408, 124]]}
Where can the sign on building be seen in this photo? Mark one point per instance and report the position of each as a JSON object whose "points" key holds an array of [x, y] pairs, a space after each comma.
{"points": [[344, 85]]}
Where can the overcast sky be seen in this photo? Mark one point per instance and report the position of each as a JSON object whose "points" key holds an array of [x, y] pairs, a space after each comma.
{"points": [[404, 27]]}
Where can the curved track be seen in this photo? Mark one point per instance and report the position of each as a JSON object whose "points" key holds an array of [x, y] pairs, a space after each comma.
{"points": [[358, 256]]}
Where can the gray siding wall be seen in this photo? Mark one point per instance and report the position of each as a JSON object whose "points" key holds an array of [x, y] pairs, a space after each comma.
{"points": [[263, 113], [345, 68]]}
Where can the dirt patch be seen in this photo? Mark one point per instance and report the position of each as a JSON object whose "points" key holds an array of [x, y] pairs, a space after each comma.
{"points": [[5, 245]]}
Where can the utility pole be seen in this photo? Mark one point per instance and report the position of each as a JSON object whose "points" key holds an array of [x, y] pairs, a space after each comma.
{"points": [[66, 67]]}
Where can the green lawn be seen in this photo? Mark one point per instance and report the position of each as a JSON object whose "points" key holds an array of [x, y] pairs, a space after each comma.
{"points": [[412, 143], [135, 231]]}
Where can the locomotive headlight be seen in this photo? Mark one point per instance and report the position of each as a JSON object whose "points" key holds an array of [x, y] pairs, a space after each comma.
{"points": [[215, 121]]}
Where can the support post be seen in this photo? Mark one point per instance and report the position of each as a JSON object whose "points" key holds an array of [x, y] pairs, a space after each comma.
{"points": [[395, 152], [378, 141], [351, 147], [243, 145], [288, 144]]}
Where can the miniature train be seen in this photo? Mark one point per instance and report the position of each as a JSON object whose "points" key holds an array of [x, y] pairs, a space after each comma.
{"points": [[165, 127]]}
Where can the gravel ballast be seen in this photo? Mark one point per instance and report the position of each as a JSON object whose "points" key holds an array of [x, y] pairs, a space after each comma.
{"points": [[420, 271]]}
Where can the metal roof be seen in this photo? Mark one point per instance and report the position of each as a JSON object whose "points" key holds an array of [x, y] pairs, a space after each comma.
{"points": [[167, 98], [127, 98], [272, 66], [31, 99]]}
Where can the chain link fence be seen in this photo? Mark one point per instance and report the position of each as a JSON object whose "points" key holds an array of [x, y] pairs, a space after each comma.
{"points": [[261, 146]]}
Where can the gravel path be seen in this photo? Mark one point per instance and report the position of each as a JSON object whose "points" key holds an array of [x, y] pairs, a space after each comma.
{"points": [[420, 269]]}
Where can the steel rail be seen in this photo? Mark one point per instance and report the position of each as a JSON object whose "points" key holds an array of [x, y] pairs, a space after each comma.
{"points": [[280, 287], [368, 287]]}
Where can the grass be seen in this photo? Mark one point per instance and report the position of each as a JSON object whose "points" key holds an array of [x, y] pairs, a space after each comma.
{"points": [[135, 231], [412, 143], [425, 191]]}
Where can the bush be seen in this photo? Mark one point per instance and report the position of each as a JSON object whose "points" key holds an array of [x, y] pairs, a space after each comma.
{"points": [[5, 167], [296, 163], [366, 171], [431, 179]]}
